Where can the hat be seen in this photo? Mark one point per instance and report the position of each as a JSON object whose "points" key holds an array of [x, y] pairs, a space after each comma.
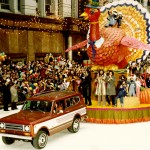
{"points": [[26, 82], [8, 80], [35, 84], [30, 88], [115, 12], [93, 4]]}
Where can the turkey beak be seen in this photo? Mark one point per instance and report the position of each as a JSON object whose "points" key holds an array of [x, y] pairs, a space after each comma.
{"points": [[85, 15]]}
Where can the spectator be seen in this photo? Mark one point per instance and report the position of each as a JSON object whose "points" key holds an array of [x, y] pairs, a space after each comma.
{"points": [[138, 87], [101, 87], [51, 58], [86, 87], [132, 87], [64, 85], [121, 93], [46, 59], [14, 96], [143, 82], [6, 94], [110, 88]]}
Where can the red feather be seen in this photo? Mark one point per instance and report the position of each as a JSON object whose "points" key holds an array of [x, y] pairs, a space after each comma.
{"points": [[79, 45]]}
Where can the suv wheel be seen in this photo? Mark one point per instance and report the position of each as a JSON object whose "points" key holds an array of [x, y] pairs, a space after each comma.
{"points": [[75, 125], [40, 140], [8, 140]]}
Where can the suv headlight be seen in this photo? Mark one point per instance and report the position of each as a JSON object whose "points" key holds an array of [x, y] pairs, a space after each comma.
{"points": [[26, 128], [2, 125]]}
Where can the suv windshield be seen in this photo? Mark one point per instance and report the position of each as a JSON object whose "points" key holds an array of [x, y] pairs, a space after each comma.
{"points": [[44, 106]]}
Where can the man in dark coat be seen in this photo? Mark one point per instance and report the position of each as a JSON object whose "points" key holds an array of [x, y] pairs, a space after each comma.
{"points": [[86, 87], [6, 94]]}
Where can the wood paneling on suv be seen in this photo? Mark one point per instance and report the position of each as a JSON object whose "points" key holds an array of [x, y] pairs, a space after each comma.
{"points": [[43, 115]]}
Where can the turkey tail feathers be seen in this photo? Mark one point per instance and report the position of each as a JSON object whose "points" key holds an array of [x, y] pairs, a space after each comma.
{"points": [[135, 23]]}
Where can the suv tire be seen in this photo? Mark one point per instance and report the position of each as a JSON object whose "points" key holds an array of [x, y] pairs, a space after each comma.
{"points": [[40, 140], [75, 125], [8, 140]]}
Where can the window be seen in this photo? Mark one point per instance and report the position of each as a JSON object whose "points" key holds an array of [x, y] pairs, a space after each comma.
{"points": [[48, 7], [140, 1], [4, 1], [76, 99], [59, 107], [4, 4], [48, 2], [72, 101], [148, 3], [81, 5], [43, 106], [68, 103], [19, 5], [59, 4]]}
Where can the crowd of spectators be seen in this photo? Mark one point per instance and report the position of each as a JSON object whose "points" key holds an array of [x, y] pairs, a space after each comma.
{"points": [[52, 73], [58, 73]]}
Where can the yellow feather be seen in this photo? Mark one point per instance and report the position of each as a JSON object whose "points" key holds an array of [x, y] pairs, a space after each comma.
{"points": [[133, 24]]}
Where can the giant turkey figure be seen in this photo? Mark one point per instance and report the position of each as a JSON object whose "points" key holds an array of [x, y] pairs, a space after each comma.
{"points": [[111, 45]]}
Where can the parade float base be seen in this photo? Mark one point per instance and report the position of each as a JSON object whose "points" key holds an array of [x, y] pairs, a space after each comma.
{"points": [[132, 112]]}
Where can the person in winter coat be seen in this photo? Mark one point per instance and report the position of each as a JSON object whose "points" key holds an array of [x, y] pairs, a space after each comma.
{"points": [[101, 87], [86, 87], [110, 87], [14, 96], [138, 87], [6, 94], [122, 91]]}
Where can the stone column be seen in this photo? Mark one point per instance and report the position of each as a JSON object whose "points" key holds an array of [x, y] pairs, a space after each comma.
{"points": [[75, 8], [31, 54], [145, 3], [13, 6], [52, 9], [56, 7], [65, 8], [41, 8], [28, 7], [69, 45]]}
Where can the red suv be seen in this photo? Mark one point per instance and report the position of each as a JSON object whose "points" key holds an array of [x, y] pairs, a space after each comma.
{"points": [[43, 115]]}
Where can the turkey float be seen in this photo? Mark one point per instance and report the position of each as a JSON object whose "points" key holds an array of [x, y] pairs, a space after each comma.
{"points": [[118, 33]]}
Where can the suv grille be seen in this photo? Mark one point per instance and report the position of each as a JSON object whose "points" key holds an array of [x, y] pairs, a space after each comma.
{"points": [[16, 127]]}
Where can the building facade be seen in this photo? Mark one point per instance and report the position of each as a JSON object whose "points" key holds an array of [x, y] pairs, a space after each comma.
{"points": [[31, 28]]}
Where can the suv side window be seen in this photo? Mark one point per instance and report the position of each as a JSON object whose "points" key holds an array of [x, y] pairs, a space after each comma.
{"points": [[72, 101], [59, 107], [76, 99], [68, 104], [44, 106]]}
